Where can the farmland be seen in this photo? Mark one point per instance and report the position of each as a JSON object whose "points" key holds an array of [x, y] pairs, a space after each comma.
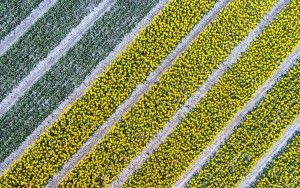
{"points": [[58, 83], [240, 151], [11, 14], [156, 93], [284, 170]]}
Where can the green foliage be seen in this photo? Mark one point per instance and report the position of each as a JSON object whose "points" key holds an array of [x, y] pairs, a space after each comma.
{"points": [[113, 86], [284, 170], [69, 72], [13, 12], [258, 132], [40, 39], [218, 107]]}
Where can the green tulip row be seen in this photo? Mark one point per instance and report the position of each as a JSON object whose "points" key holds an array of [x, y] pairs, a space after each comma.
{"points": [[284, 170], [211, 114], [130, 68], [258, 132], [39, 40], [69, 72], [128, 137], [13, 12]]}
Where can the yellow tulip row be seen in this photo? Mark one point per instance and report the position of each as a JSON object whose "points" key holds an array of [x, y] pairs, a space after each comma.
{"points": [[211, 114], [284, 171], [156, 107], [64, 137], [261, 128]]}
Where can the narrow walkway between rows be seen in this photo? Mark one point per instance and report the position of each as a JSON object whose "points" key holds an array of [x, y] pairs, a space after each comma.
{"points": [[209, 151], [59, 51], [30, 20], [270, 155], [80, 90], [139, 91]]}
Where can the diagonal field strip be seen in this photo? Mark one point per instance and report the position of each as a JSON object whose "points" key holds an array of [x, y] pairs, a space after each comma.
{"points": [[12, 13], [139, 91], [59, 51], [13, 36], [80, 90], [270, 155], [209, 151], [137, 162], [69, 72], [254, 137]]}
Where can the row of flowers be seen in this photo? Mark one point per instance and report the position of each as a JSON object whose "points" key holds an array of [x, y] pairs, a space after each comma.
{"points": [[59, 82], [284, 170], [64, 137], [155, 108], [220, 104], [256, 135]]}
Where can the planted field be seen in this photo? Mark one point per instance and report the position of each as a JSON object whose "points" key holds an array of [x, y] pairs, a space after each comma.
{"points": [[13, 12], [39, 40], [69, 72], [156, 107], [218, 106], [261, 128], [157, 93], [107, 92], [284, 170]]}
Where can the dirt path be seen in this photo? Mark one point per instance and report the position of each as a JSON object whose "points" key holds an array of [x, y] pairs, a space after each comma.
{"points": [[30, 20]]}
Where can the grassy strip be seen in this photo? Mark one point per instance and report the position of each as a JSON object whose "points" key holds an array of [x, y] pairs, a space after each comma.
{"points": [[40, 39], [68, 73], [211, 114], [13, 12], [155, 108], [107, 92], [262, 127], [284, 170]]}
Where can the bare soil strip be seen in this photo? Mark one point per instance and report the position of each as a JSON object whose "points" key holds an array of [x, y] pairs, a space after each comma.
{"points": [[139, 91], [30, 20], [272, 153], [80, 90], [137, 162], [210, 151], [59, 51]]}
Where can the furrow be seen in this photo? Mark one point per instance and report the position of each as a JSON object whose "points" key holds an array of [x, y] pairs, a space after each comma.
{"points": [[257, 170], [232, 91], [79, 91], [77, 123], [24, 25], [284, 169], [139, 91], [59, 51], [210, 151], [13, 12], [130, 135], [137, 162], [256, 134], [39, 40]]}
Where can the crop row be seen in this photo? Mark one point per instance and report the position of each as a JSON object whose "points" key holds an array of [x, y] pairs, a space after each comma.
{"points": [[69, 72], [258, 132], [284, 170], [155, 108], [40, 39], [211, 114], [107, 92], [13, 12]]}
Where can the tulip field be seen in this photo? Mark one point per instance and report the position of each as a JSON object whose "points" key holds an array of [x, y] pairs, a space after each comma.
{"points": [[150, 93], [13, 12], [284, 170]]}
